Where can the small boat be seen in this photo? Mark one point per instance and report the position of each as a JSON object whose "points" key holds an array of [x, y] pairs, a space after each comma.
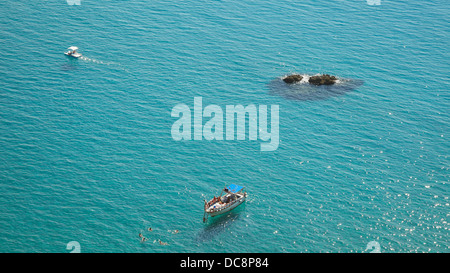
{"points": [[233, 197], [72, 51]]}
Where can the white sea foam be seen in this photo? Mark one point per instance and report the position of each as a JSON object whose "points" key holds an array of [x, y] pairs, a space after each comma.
{"points": [[95, 61]]}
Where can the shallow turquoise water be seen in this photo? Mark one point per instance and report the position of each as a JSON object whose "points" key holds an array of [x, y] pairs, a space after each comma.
{"points": [[86, 147]]}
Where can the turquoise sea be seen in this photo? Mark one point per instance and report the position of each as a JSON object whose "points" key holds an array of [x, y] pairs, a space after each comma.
{"points": [[86, 152]]}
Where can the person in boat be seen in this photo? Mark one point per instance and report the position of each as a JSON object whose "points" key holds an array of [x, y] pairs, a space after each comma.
{"points": [[225, 200], [214, 200]]}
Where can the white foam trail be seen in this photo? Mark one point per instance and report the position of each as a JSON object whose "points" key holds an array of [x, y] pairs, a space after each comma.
{"points": [[95, 61], [87, 59]]}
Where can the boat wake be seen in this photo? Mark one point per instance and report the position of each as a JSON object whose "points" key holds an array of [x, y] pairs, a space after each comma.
{"points": [[115, 65], [304, 91], [95, 61]]}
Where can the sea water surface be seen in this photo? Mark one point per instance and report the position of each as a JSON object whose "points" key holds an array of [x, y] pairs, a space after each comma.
{"points": [[86, 152]]}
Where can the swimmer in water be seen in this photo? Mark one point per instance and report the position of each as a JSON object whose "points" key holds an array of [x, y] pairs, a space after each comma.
{"points": [[143, 239]]}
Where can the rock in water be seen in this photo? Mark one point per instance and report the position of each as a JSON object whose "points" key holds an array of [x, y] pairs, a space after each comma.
{"points": [[304, 91], [322, 79], [293, 78]]}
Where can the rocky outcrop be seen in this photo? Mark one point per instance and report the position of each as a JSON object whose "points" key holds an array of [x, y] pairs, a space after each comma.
{"points": [[324, 79], [316, 90], [293, 78]]}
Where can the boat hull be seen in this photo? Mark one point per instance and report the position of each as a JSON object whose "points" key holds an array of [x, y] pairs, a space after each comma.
{"points": [[215, 212], [76, 55]]}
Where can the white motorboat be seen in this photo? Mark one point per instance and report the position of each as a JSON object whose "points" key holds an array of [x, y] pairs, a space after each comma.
{"points": [[233, 197], [72, 51]]}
